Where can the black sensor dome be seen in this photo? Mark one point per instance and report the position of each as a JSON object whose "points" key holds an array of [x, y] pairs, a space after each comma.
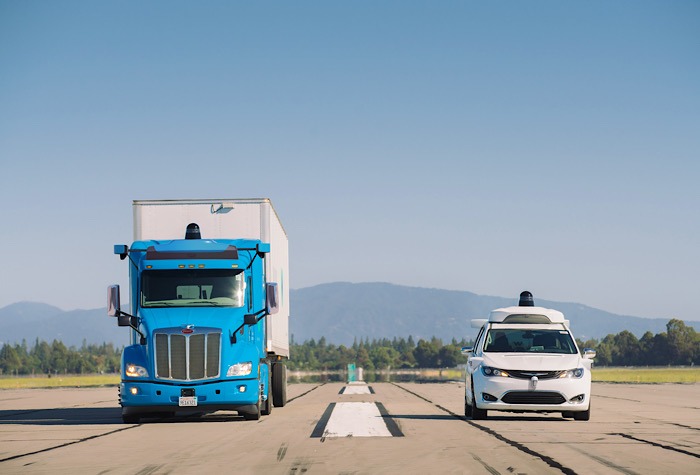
{"points": [[192, 231], [526, 299]]}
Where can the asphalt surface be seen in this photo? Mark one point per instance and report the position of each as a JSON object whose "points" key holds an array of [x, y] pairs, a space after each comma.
{"points": [[330, 428]]}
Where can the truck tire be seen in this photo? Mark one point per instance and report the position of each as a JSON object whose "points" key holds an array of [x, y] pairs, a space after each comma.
{"points": [[130, 418], [279, 384], [253, 416], [266, 406]]}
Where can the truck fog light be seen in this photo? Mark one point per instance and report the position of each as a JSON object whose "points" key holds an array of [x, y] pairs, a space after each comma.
{"points": [[242, 389], [240, 369], [134, 391], [577, 399]]}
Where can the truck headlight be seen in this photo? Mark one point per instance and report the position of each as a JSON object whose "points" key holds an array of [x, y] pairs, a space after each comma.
{"points": [[135, 371], [489, 371], [240, 369], [572, 373]]}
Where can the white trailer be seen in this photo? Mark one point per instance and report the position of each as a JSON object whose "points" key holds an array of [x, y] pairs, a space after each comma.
{"points": [[253, 218]]}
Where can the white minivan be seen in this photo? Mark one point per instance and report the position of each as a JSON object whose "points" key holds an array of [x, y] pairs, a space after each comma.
{"points": [[525, 359]]}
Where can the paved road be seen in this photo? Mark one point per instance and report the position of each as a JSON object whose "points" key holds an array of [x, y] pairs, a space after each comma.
{"points": [[330, 428]]}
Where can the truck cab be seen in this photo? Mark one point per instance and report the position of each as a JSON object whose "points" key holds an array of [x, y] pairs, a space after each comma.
{"points": [[525, 359]]}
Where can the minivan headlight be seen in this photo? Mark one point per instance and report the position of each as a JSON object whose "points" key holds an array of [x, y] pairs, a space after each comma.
{"points": [[489, 371], [572, 373]]}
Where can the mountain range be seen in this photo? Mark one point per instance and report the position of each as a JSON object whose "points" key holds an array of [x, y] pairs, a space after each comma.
{"points": [[341, 312]]}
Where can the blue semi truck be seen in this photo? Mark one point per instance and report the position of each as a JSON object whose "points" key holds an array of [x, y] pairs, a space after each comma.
{"points": [[209, 309]]}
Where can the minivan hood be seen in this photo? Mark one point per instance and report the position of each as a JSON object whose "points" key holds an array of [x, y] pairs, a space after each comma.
{"points": [[532, 362]]}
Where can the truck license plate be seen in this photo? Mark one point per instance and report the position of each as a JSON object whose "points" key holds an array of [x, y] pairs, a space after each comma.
{"points": [[188, 401]]}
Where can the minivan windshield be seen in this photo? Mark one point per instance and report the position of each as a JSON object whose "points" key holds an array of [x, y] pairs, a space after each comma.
{"points": [[507, 340], [193, 288]]}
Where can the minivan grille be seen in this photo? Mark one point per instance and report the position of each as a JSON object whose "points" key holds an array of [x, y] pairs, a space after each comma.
{"points": [[187, 357], [530, 374], [533, 397]]}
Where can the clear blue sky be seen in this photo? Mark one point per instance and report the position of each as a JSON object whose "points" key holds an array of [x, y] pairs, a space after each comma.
{"points": [[492, 147]]}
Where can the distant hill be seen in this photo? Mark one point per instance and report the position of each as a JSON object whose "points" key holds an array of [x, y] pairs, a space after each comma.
{"points": [[31, 320], [341, 312]]}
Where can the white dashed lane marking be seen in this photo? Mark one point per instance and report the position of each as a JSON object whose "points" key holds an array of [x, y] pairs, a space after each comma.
{"points": [[356, 419], [357, 389]]}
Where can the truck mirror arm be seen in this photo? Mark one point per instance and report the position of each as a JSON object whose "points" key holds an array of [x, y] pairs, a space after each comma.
{"points": [[248, 319], [131, 325]]}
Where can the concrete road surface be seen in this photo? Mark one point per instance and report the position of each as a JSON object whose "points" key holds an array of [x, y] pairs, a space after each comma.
{"points": [[355, 429]]}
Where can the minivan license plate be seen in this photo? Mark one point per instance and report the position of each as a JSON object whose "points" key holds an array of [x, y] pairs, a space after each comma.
{"points": [[188, 401]]}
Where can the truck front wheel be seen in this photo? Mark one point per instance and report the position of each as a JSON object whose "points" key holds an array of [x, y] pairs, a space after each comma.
{"points": [[266, 407], [279, 384], [253, 416], [130, 418]]}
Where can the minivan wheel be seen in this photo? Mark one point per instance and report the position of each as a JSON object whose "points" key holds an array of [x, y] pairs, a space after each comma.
{"points": [[583, 416], [477, 414]]}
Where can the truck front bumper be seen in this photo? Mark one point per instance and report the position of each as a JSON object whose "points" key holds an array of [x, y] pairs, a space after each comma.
{"points": [[148, 396]]}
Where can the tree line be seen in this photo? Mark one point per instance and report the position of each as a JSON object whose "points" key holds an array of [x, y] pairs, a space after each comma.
{"points": [[382, 353], [678, 345], [56, 358]]}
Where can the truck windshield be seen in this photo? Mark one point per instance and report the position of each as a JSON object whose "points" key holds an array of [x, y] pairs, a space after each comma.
{"points": [[193, 288], [507, 340]]}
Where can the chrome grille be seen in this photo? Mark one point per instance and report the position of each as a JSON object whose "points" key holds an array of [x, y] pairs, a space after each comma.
{"points": [[187, 357]]}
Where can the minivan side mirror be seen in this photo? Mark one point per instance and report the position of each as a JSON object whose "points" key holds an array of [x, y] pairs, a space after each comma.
{"points": [[589, 353]]}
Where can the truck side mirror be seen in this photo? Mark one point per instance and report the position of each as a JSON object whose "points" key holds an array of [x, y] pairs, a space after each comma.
{"points": [[122, 250], [113, 303], [114, 307], [271, 300]]}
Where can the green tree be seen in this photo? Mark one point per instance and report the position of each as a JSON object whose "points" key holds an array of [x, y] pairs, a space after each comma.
{"points": [[10, 361], [385, 357], [59, 357], [426, 354], [625, 349], [450, 356], [681, 340]]}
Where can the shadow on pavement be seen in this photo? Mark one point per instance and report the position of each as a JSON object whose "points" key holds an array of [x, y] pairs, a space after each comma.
{"points": [[62, 416], [100, 416]]}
